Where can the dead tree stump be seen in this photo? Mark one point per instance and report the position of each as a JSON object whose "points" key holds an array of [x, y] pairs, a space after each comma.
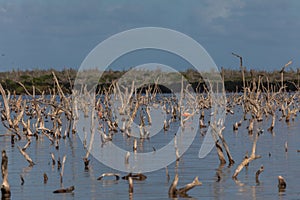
{"points": [[5, 189]]}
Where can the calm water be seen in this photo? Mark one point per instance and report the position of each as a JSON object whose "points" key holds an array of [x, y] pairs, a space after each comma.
{"points": [[156, 185]]}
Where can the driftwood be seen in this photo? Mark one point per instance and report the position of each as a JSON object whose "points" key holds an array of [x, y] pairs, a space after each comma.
{"points": [[167, 174], [58, 163], [62, 169], [65, 190], [235, 126], [22, 179], [137, 177], [253, 103], [273, 122], [261, 169], [189, 186], [5, 115], [174, 192], [127, 158], [286, 146], [281, 183], [130, 183], [26, 145], [86, 162], [134, 145], [26, 156], [53, 159], [172, 189], [231, 161], [250, 127], [217, 131], [5, 188], [220, 152], [109, 174], [45, 178], [246, 161]]}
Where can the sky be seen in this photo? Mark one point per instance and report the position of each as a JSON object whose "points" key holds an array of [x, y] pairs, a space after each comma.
{"points": [[40, 34]]}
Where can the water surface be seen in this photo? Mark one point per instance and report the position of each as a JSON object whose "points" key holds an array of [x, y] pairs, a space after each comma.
{"points": [[270, 146]]}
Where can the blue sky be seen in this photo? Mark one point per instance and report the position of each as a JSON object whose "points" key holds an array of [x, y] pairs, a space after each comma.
{"points": [[60, 33]]}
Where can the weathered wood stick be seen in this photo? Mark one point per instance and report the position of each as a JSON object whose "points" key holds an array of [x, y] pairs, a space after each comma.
{"points": [[130, 182], [53, 159], [25, 89], [58, 163], [26, 156], [220, 153], [92, 130], [218, 145], [231, 161], [45, 178], [6, 114], [247, 160], [261, 169], [250, 127], [134, 145], [167, 174], [65, 190], [148, 115], [127, 158], [235, 126], [5, 188], [281, 183], [18, 118], [58, 87], [109, 174], [26, 145], [187, 187], [22, 179], [62, 168], [286, 146], [6, 105], [136, 177], [273, 122], [172, 190], [49, 137], [86, 162]]}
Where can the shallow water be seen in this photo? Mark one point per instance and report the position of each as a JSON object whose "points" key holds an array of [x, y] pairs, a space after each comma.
{"points": [[156, 185]]}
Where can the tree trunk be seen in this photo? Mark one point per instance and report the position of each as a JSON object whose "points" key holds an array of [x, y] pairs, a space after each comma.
{"points": [[246, 161], [220, 153], [5, 189]]}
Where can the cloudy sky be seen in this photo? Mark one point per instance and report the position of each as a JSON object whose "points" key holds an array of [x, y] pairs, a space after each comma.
{"points": [[60, 33]]}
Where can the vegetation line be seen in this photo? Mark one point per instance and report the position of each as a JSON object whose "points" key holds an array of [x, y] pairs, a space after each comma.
{"points": [[42, 80]]}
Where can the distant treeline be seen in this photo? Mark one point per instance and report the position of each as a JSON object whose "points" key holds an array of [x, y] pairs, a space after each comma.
{"points": [[42, 80]]}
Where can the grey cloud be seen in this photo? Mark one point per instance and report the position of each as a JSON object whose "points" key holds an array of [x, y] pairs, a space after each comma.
{"points": [[61, 33]]}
